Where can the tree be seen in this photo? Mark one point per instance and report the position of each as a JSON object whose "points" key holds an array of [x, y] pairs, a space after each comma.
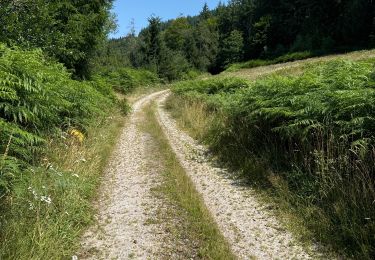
{"points": [[207, 42], [232, 49], [205, 13], [153, 43], [259, 37], [67, 30], [176, 33]]}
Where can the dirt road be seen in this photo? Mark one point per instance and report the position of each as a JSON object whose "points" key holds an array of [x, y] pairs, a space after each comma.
{"points": [[126, 203]]}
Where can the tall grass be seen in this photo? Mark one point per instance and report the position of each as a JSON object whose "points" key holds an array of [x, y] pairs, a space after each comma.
{"points": [[55, 136], [309, 139], [51, 203], [258, 63]]}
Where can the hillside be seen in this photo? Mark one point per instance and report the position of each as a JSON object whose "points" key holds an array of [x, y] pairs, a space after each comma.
{"points": [[301, 133]]}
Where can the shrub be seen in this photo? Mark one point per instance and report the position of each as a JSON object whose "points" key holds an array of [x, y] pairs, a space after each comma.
{"points": [[38, 98], [126, 79], [315, 132], [125, 107]]}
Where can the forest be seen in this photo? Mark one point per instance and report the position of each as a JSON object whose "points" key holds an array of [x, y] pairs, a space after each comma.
{"points": [[243, 30], [279, 91]]}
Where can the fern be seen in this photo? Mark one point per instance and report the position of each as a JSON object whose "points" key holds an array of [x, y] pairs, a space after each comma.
{"points": [[316, 131], [38, 99]]}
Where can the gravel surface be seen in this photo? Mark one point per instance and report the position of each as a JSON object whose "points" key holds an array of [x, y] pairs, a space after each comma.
{"points": [[125, 227], [249, 226]]}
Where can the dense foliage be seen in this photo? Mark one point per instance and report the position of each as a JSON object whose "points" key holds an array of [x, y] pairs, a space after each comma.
{"points": [[39, 99], [315, 135], [125, 79], [244, 30], [66, 30]]}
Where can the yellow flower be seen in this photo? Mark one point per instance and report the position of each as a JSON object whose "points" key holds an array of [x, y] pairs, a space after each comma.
{"points": [[78, 135]]}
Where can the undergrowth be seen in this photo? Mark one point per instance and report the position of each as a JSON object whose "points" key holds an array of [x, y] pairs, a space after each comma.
{"points": [[308, 139], [125, 80], [51, 203], [258, 62], [55, 136]]}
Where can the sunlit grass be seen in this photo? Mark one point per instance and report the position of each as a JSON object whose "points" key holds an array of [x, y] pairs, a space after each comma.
{"points": [[52, 204], [306, 141], [198, 224]]}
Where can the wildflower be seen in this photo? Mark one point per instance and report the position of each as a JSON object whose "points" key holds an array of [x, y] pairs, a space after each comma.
{"points": [[31, 205], [74, 257], [78, 135], [35, 194], [45, 199]]}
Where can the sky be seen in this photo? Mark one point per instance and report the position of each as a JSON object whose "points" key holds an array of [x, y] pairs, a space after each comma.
{"points": [[140, 10]]}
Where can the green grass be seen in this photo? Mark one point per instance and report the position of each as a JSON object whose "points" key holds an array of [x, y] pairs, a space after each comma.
{"points": [[308, 140], [48, 176], [69, 174], [196, 223], [296, 67], [258, 63]]}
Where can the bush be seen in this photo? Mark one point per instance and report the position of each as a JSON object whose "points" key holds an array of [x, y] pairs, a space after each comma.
{"points": [[315, 132], [125, 107], [38, 99], [127, 79]]}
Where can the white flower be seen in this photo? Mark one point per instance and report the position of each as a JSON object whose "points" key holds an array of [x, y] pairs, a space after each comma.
{"points": [[35, 194], [31, 205], [45, 199], [74, 257]]}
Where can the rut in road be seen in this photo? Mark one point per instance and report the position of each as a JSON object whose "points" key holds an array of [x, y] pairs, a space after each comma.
{"points": [[126, 202]]}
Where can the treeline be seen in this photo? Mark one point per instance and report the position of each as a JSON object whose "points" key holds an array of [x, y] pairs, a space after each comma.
{"points": [[247, 29], [67, 31]]}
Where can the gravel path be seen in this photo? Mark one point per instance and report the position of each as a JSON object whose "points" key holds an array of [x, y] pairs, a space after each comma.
{"points": [[250, 228], [126, 206]]}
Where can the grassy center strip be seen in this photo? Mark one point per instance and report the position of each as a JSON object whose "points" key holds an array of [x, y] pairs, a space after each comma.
{"points": [[195, 222]]}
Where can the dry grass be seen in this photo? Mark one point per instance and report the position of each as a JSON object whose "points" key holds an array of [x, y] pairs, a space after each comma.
{"points": [[295, 67], [193, 116], [69, 175], [198, 224]]}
